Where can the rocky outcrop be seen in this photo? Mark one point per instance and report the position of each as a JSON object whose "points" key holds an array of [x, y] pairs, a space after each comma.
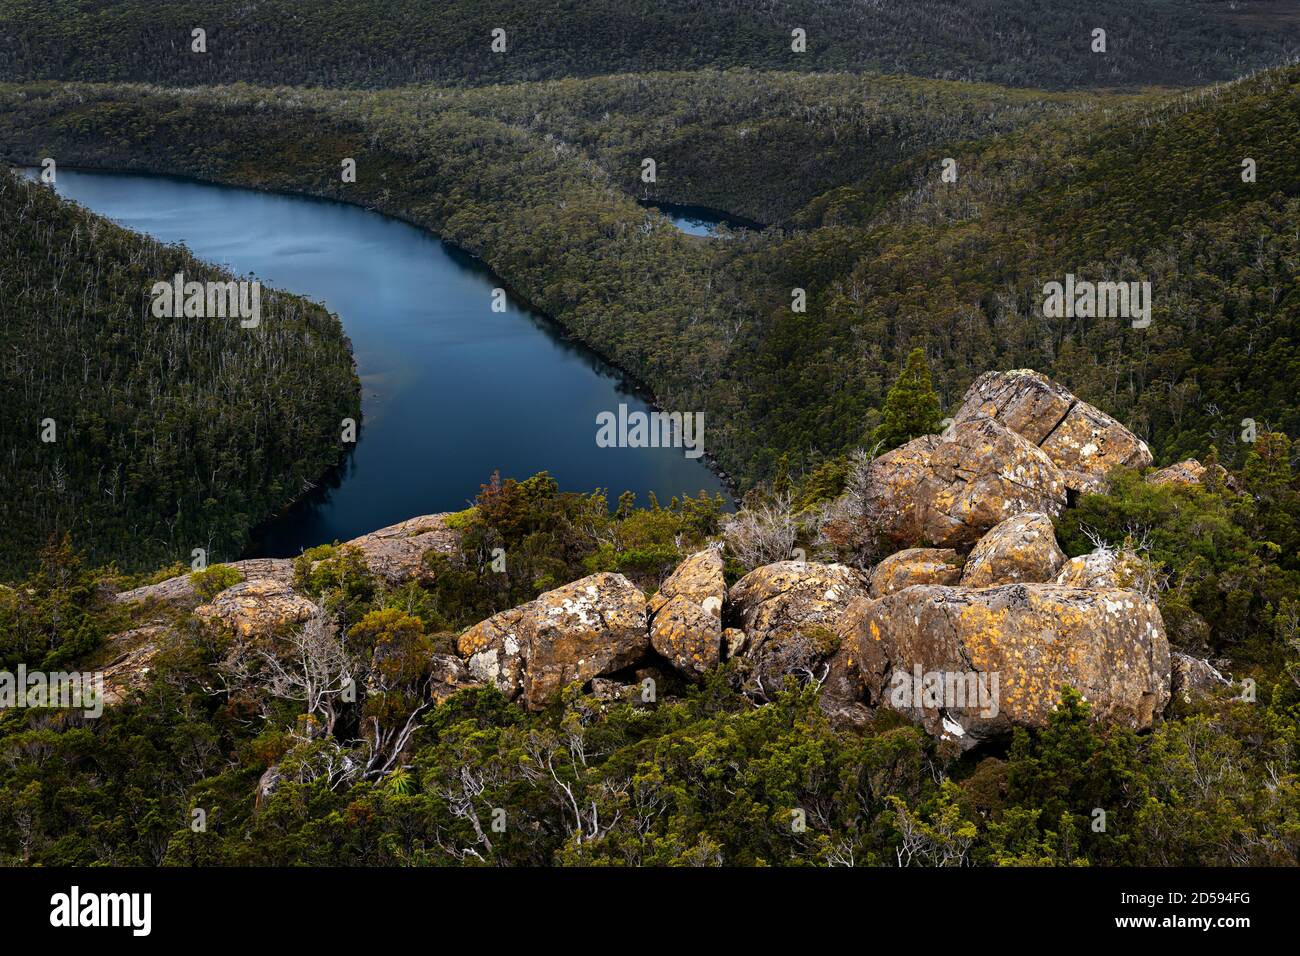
{"points": [[590, 628], [396, 553], [180, 591], [969, 664], [948, 491], [1189, 472], [1080, 439], [1020, 550], [129, 660], [256, 608], [1192, 678], [902, 569], [686, 614]]}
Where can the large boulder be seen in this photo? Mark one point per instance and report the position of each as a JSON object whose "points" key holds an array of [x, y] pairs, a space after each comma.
{"points": [[686, 614], [591, 627], [902, 569], [257, 608], [777, 600], [948, 491], [790, 612], [1020, 550], [971, 664], [1083, 441]]}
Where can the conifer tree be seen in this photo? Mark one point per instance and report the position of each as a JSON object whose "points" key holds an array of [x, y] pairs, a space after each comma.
{"points": [[911, 407]]}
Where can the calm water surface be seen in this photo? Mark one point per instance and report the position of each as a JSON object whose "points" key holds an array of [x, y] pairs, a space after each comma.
{"points": [[450, 389]]}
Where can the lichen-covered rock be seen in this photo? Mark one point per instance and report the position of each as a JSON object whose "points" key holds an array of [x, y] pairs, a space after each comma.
{"points": [[1027, 402], [686, 614], [789, 612], [781, 599], [588, 628], [493, 651], [448, 675], [971, 664], [1020, 550], [257, 608], [1099, 570], [948, 491], [1193, 677], [396, 553], [1081, 440], [1088, 443], [1189, 472], [915, 566]]}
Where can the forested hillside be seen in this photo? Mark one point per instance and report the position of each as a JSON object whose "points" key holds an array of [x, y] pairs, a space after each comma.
{"points": [[1146, 188], [147, 437], [377, 44]]}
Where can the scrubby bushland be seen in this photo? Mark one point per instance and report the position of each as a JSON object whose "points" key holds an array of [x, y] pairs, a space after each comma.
{"points": [[703, 777]]}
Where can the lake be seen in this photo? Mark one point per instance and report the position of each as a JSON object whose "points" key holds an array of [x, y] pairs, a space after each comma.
{"points": [[699, 220], [451, 390]]}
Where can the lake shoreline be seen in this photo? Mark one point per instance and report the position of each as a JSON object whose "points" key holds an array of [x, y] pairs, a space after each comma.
{"points": [[620, 379]]}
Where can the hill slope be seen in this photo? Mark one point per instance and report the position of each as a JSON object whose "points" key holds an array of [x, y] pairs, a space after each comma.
{"points": [[169, 434]]}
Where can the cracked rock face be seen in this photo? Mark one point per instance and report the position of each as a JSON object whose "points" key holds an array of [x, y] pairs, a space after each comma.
{"points": [[971, 664], [1020, 550], [257, 608], [948, 491], [915, 566], [1080, 439], [686, 614], [591, 627]]}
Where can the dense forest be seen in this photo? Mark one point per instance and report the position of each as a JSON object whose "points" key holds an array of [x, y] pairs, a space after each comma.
{"points": [[143, 437], [373, 44]]}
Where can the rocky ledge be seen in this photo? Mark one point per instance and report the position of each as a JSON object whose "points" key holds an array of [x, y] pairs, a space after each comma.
{"points": [[971, 631]]}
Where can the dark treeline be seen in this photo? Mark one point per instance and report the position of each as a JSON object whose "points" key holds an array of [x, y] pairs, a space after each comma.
{"points": [[167, 434], [366, 43]]}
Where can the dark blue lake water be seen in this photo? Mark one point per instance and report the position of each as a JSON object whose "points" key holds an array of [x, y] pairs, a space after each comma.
{"points": [[450, 389]]}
